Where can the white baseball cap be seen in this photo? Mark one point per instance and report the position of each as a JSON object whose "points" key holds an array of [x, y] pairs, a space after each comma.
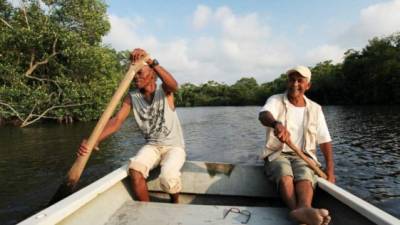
{"points": [[302, 70]]}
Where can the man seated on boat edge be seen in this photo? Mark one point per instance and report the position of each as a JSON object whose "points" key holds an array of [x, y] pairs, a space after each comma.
{"points": [[292, 115], [154, 111]]}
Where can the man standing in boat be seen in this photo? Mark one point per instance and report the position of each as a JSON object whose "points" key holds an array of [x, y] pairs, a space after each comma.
{"points": [[291, 116], [154, 112]]}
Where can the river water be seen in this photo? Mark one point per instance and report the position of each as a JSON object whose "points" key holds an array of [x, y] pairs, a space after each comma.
{"points": [[34, 160]]}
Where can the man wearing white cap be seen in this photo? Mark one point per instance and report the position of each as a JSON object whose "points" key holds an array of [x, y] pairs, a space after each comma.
{"points": [[292, 116], [154, 112]]}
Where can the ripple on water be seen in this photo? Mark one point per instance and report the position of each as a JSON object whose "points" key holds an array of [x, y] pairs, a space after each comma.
{"points": [[34, 160]]}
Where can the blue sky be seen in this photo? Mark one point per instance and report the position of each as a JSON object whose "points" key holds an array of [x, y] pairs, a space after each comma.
{"points": [[225, 40]]}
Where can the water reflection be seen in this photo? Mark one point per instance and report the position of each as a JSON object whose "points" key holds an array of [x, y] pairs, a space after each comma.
{"points": [[34, 160], [367, 150]]}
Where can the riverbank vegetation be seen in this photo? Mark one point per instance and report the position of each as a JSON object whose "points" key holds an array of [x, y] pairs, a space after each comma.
{"points": [[368, 76], [53, 66]]}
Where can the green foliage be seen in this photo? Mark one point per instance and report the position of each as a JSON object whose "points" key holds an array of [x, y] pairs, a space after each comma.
{"points": [[52, 63], [210, 93], [327, 84], [246, 91], [373, 74]]}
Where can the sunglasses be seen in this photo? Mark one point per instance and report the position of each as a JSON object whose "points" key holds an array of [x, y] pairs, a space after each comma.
{"points": [[243, 212]]}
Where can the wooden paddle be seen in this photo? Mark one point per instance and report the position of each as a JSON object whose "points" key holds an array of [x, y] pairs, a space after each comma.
{"points": [[307, 160], [70, 181]]}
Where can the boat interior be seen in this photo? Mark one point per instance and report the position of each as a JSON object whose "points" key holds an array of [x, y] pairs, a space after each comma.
{"points": [[213, 193]]}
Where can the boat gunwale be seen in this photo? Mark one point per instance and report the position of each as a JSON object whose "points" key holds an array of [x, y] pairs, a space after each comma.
{"points": [[67, 206], [361, 206]]}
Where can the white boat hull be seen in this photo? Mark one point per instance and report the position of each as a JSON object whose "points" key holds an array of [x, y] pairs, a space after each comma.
{"points": [[209, 190]]}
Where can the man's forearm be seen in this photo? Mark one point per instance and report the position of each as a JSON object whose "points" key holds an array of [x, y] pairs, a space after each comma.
{"points": [[327, 151], [168, 80], [267, 119], [111, 127]]}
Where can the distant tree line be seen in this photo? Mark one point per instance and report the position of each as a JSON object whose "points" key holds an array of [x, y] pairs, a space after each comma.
{"points": [[368, 76], [53, 66], [245, 91]]}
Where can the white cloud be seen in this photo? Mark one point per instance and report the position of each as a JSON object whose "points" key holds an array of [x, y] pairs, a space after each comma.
{"points": [[15, 3], [241, 47], [244, 48], [201, 16], [377, 20], [20, 3], [380, 19], [123, 34], [326, 52], [226, 45], [204, 47], [245, 27]]}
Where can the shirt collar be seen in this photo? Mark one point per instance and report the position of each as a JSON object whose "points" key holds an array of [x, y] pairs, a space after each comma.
{"points": [[286, 100]]}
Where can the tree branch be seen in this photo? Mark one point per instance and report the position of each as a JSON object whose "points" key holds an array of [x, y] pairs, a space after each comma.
{"points": [[26, 123], [12, 109], [33, 66], [26, 17], [45, 117], [30, 114], [7, 24]]}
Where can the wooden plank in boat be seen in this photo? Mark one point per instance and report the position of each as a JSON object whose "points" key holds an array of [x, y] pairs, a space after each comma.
{"points": [[180, 214]]}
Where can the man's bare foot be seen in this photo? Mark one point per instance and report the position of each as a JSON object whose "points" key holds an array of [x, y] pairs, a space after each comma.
{"points": [[311, 216], [326, 221], [174, 198]]}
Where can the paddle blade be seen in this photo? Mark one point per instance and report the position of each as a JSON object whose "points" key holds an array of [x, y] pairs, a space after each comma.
{"points": [[63, 191]]}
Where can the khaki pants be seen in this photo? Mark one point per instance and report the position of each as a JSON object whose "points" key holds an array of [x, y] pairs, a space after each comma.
{"points": [[171, 160], [289, 164]]}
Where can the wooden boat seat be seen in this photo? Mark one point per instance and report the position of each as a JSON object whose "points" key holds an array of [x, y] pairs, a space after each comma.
{"points": [[221, 179]]}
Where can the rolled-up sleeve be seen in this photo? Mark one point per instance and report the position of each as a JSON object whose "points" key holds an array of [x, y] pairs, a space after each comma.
{"points": [[323, 135], [271, 105]]}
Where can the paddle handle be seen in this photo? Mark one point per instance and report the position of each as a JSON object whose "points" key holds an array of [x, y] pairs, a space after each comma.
{"points": [[77, 168], [310, 163]]}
